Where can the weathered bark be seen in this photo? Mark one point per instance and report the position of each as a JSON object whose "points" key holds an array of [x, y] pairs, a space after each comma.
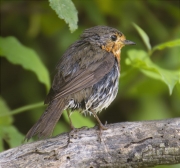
{"points": [[126, 144]]}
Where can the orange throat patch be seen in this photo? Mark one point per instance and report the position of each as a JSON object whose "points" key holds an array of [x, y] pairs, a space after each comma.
{"points": [[115, 49]]}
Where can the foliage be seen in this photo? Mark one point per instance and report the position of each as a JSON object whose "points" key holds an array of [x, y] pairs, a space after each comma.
{"points": [[140, 59], [66, 10], [7, 130], [146, 72], [16, 53]]}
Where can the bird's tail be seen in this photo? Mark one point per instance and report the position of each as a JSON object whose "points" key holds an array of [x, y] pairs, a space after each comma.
{"points": [[45, 125]]}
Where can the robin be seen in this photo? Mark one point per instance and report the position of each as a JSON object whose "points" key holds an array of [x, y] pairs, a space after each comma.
{"points": [[87, 78]]}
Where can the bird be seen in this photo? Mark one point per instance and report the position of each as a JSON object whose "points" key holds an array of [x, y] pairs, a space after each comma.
{"points": [[86, 79]]}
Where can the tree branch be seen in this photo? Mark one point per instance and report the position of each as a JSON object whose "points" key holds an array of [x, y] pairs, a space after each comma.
{"points": [[126, 144]]}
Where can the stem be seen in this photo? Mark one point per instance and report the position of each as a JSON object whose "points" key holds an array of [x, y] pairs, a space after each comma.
{"points": [[24, 108]]}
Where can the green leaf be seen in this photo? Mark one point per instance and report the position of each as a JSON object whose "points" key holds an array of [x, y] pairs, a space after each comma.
{"points": [[66, 10], [5, 120], [139, 59], [168, 44], [60, 128], [16, 53], [79, 120], [11, 135], [143, 35], [8, 132]]}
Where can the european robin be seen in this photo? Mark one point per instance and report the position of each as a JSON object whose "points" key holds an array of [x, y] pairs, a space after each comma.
{"points": [[87, 78]]}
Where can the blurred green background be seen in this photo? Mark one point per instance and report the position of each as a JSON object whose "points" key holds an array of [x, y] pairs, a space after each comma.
{"points": [[36, 25]]}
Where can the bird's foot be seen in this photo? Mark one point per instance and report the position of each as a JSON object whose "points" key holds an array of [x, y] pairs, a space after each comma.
{"points": [[101, 128]]}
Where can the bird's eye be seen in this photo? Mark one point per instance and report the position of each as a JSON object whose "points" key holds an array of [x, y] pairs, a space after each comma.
{"points": [[113, 37]]}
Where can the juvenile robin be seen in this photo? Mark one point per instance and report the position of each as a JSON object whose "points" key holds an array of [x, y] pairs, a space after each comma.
{"points": [[87, 78]]}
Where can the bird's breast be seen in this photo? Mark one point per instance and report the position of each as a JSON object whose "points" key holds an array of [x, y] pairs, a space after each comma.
{"points": [[105, 91]]}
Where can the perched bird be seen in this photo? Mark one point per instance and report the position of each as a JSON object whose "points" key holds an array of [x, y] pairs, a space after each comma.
{"points": [[87, 78]]}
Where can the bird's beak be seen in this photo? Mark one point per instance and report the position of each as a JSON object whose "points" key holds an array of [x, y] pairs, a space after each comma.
{"points": [[128, 42]]}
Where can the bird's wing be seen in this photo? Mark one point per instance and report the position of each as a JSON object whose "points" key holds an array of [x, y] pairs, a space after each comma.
{"points": [[87, 77]]}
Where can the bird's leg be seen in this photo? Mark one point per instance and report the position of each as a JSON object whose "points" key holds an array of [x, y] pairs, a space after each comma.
{"points": [[101, 126], [71, 125]]}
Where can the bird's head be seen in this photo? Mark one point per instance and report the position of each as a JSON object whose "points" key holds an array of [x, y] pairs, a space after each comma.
{"points": [[107, 38]]}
